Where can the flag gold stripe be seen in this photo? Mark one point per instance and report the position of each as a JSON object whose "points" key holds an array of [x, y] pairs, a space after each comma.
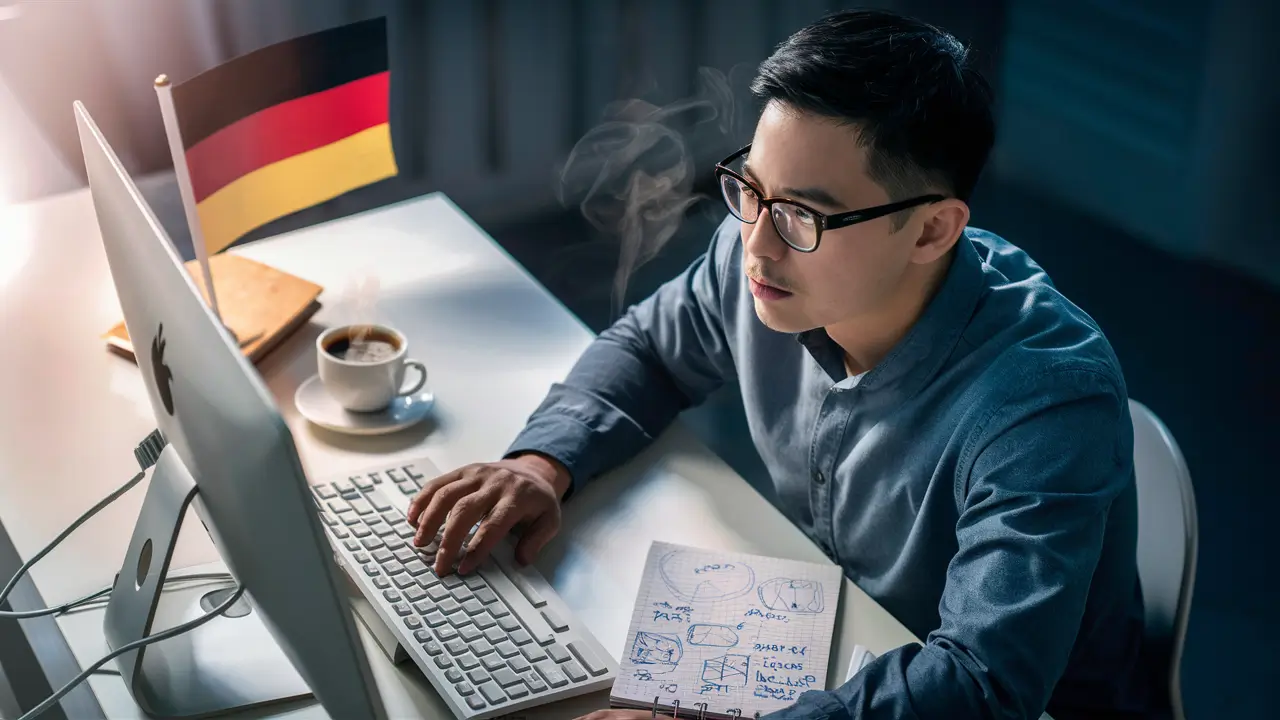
{"points": [[295, 183]]}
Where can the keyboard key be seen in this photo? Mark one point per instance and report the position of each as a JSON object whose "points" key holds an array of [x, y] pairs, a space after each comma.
{"points": [[455, 647], [518, 663], [361, 482], [402, 581], [415, 568], [493, 661], [425, 607], [533, 653], [506, 649], [337, 505], [527, 590], [462, 594], [468, 662], [423, 636], [391, 595], [393, 518], [437, 592], [494, 635], [352, 545], [414, 477], [329, 519], [473, 607], [484, 622], [413, 622], [343, 486], [385, 532], [341, 533], [474, 701], [469, 633], [407, 488], [554, 620], [381, 582], [404, 554], [451, 581], [574, 671], [491, 693], [360, 557], [506, 622], [405, 531], [361, 531], [454, 675], [401, 609], [435, 619], [558, 653], [517, 691], [460, 620], [520, 637], [373, 542], [443, 661], [432, 648], [475, 582], [361, 506], [449, 606], [534, 682], [393, 542], [554, 676], [414, 594], [444, 633], [349, 518], [378, 502], [587, 658], [372, 570], [486, 596], [325, 491], [478, 675], [505, 677], [383, 556], [480, 648]]}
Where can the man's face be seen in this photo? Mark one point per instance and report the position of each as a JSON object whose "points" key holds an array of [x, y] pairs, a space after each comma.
{"points": [[856, 268]]}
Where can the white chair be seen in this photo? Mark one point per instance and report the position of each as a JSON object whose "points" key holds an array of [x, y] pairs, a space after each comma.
{"points": [[1168, 537]]}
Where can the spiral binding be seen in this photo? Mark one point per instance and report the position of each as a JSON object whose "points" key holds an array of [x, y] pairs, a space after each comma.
{"points": [[734, 713]]}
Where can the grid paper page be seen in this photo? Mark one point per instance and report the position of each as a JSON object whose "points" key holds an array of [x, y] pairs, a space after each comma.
{"points": [[732, 630]]}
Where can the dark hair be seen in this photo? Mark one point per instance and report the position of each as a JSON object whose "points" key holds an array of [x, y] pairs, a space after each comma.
{"points": [[921, 109]]}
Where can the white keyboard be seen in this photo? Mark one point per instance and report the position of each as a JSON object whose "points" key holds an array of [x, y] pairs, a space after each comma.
{"points": [[493, 642]]}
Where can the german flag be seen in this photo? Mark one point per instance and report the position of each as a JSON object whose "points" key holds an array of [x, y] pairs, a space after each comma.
{"points": [[286, 127]]}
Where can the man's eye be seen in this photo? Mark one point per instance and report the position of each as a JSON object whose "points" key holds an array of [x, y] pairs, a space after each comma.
{"points": [[805, 216]]}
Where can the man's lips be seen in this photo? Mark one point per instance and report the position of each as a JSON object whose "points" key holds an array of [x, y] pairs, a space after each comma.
{"points": [[765, 291]]}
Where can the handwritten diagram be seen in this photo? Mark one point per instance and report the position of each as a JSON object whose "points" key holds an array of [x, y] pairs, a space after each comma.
{"points": [[712, 635], [698, 576], [797, 596], [731, 670], [661, 652]]}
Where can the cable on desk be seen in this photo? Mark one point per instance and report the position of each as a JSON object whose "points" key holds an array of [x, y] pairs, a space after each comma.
{"points": [[147, 453], [165, 635]]}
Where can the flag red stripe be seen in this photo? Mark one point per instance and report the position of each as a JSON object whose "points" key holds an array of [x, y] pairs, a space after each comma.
{"points": [[284, 130]]}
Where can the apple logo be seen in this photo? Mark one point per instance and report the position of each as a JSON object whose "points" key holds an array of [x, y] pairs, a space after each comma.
{"points": [[164, 376]]}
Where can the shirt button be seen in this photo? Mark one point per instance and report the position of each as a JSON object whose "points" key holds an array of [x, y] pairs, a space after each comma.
{"points": [[819, 478]]}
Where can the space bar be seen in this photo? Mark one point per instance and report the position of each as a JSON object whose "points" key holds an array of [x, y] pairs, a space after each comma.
{"points": [[529, 617]]}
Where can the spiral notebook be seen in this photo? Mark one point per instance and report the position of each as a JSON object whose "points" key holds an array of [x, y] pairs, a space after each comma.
{"points": [[726, 635]]}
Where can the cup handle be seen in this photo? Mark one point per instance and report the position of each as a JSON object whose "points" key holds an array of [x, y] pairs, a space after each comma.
{"points": [[422, 379]]}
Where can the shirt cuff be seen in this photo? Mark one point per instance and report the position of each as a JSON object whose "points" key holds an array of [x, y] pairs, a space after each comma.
{"points": [[562, 437]]}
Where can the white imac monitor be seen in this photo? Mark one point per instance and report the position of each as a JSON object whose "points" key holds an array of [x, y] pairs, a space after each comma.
{"points": [[231, 456]]}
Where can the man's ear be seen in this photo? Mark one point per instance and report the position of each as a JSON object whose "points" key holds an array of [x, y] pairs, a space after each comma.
{"points": [[941, 225]]}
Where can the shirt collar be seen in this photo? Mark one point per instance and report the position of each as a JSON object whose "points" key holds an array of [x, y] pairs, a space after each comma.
{"points": [[922, 351]]}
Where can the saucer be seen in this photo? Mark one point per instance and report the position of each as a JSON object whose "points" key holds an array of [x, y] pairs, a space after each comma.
{"points": [[316, 405]]}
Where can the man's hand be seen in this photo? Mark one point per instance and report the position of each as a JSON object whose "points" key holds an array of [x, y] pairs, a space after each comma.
{"points": [[624, 715], [525, 489]]}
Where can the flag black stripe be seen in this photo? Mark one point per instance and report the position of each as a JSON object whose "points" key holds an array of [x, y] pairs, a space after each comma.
{"points": [[287, 70]]}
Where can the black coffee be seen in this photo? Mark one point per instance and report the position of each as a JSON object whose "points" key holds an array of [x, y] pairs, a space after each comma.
{"points": [[365, 347]]}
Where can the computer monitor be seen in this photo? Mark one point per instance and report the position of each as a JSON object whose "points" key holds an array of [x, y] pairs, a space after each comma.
{"points": [[230, 455]]}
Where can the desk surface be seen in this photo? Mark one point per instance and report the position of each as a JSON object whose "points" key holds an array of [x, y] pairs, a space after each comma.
{"points": [[493, 340]]}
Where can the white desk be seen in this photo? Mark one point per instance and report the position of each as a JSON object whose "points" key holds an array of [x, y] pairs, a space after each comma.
{"points": [[493, 341]]}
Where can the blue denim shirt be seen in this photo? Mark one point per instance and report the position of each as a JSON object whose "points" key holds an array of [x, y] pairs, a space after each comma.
{"points": [[977, 483]]}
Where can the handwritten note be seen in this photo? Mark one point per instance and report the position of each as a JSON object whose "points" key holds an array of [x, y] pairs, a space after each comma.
{"points": [[731, 630]]}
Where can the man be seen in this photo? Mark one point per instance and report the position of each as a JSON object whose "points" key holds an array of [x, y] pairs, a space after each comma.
{"points": [[934, 414]]}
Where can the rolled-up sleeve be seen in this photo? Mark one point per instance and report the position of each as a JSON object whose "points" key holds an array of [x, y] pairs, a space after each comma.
{"points": [[1043, 471], [664, 355]]}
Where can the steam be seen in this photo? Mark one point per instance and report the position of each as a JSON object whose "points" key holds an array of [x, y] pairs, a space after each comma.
{"points": [[358, 304], [632, 176]]}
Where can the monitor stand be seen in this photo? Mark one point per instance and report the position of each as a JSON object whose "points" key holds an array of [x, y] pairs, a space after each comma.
{"points": [[231, 662]]}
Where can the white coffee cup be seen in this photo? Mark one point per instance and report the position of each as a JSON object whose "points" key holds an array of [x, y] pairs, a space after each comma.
{"points": [[366, 376]]}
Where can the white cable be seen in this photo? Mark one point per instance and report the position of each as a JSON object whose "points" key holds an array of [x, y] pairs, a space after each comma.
{"points": [[4, 594], [164, 635]]}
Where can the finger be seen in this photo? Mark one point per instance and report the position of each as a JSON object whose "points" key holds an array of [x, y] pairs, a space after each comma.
{"points": [[443, 501], [492, 529], [423, 498], [538, 534], [466, 513]]}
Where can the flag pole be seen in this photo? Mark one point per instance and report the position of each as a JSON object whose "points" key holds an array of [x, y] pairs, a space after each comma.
{"points": [[167, 111]]}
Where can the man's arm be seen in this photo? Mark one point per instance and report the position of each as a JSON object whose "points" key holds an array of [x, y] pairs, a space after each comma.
{"points": [[664, 355], [1030, 535]]}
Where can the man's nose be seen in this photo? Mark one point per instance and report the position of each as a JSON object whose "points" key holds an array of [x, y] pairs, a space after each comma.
{"points": [[761, 238]]}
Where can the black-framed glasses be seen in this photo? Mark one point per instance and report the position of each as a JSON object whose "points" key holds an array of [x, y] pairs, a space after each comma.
{"points": [[799, 225]]}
